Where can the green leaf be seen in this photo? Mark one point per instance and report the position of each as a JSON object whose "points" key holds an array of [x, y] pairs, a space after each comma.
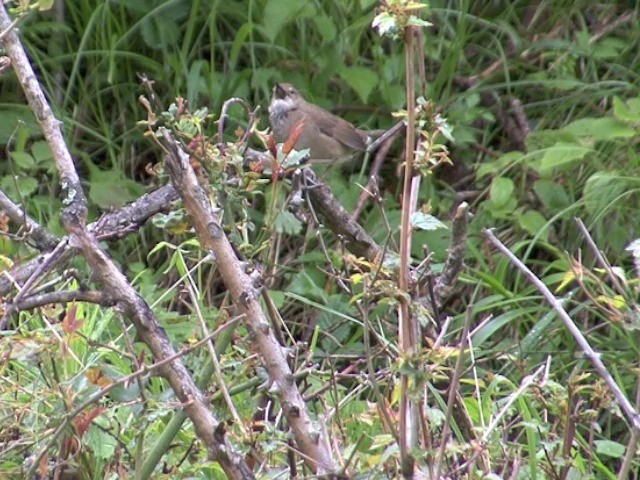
{"points": [[196, 83], [17, 119], [23, 160], [287, 223], [418, 22], [41, 152], [239, 41], [326, 27], [628, 111], [365, 4], [496, 166], [335, 308], [305, 286], [424, 221], [18, 187], [294, 158], [362, 80], [102, 445], [610, 448], [601, 128], [561, 155], [608, 48], [534, 223], [111, 189], [44, 5], [501, 191], [601, 190], [552, 195], [277, 13]]}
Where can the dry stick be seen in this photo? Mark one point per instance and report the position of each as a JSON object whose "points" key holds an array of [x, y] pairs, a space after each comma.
{"points": [[75, 202], [631, 446], [455, 254], [338, 220], [50, 260], [246, 298], [67, 296], [43, 238], [251, 115], [73, 217], [605, 29], [191, 287], [592, 355], [603, 261], [111, 225], [8, 28], [526, 383], [371, 190], [629, 457]]}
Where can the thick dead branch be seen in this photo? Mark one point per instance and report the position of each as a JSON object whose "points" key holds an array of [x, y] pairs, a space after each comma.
{"points": [[115, 283], [455, 254], [309, 439], [36, 235], [339, 221], [111, 225]]}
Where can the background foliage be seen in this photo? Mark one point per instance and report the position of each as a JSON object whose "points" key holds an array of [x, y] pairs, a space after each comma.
{"points": [[570, 69]]}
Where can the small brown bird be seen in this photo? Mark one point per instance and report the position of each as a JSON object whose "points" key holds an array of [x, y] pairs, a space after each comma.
{"points": [[327, 136]]}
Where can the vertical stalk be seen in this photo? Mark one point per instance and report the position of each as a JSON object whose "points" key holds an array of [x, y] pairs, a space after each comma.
{"points": [[407, 434]]}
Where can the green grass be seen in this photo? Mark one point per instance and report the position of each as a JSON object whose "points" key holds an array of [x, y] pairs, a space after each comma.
{"points": [[548, 57]]}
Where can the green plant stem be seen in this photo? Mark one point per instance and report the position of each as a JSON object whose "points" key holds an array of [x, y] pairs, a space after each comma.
{"points": [[407, 338]]}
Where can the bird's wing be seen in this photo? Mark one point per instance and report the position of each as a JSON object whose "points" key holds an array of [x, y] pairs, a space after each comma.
{"points": [[341, 130]]}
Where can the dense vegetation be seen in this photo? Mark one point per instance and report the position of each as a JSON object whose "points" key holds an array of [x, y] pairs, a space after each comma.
{"points": [[543, 102]]}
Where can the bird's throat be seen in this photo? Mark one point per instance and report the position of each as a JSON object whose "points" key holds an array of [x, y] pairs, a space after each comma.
{"points": [[280, 108]]}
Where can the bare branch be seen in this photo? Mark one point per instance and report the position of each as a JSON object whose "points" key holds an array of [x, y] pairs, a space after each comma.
{"points": [[75, 209], [107, 273], [43, 299], [111, 225], [455, 254], [590, 353], [338, 220], [44, 240], [309, 439]]}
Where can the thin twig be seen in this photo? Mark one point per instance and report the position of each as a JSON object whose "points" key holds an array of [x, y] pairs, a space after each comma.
{"points": [[408, 428], [601, 259], [592, 355], [251, 115], [9, 28], [191, 287], [451, 398]]}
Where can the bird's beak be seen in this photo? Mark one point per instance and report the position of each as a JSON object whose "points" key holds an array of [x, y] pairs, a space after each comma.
{"points": [[278, 91]]}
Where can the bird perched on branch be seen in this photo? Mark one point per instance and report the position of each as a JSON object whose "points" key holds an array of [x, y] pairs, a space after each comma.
{"points": [[328, 137]]}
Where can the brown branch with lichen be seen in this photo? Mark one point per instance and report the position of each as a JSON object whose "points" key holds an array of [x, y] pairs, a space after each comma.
{"points": [[309, 439], [106, 272]]}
